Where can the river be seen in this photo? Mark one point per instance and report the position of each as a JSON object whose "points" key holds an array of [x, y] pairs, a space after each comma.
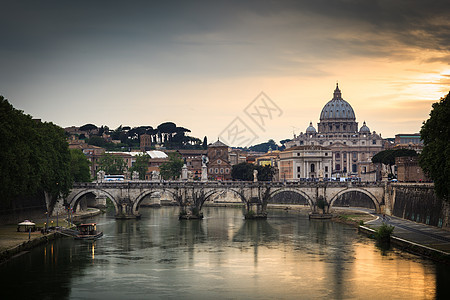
{"points": [[222, 256]]}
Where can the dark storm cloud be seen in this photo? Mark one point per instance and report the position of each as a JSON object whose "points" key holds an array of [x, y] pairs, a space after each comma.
{"points": [[42, 24], [225, 38]]}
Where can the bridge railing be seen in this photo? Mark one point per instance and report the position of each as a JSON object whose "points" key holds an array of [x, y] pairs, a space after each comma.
{"points": [[219, 184]]}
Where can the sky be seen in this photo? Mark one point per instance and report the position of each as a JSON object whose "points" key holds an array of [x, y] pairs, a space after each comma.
{"points": [[241, 71]]}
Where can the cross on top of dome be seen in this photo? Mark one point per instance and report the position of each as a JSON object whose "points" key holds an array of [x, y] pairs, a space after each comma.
{"points": [[337, 93]]}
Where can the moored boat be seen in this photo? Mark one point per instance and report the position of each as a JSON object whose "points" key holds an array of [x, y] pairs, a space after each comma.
{"points": [[88, 232]]}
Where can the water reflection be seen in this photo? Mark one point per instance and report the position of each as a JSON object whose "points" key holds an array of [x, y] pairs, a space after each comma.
{"points": [[223, 256]]}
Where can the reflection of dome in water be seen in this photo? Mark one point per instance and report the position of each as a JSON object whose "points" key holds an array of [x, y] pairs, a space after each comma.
{"points": [[310, 128], [337, 108], [364, 128]]}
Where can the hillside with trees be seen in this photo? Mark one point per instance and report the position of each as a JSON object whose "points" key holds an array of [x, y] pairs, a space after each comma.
{"points": [[34, 159], [166, 134]]}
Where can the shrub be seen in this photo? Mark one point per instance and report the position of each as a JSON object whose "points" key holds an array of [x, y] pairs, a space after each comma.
{"points": [[383, 233]]}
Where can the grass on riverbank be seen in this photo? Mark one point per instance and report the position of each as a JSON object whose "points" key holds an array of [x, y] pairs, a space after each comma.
{"points": [[352, 218]]}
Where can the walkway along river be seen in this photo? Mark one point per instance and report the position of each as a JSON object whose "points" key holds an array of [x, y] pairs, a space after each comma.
{"points": [[286, 256]]}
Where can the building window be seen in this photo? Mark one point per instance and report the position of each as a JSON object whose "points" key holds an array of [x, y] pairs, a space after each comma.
{"points": [[221, 170], [326, 153], [211, 170], [338, 155], [219, 161], [216, 170], [331, 143], [298, 169], [298, 154], [338, 167], [301, 142], [354, 168], [313, 168], [374, 142], [326, 168], [227, 170]]}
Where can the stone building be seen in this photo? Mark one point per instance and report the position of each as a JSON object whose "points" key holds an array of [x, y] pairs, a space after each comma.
{"points": [[193, 158], [408, 169], [303, 162], [351, 149], [219, 168], [145, 142], [237, 156], [408, 141]]}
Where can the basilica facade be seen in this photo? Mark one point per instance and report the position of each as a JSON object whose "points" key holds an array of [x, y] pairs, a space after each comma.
{"points": [[351, 147]]}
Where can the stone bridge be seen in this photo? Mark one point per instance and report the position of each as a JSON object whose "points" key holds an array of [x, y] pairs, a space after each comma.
{"points": [[190, 196]]}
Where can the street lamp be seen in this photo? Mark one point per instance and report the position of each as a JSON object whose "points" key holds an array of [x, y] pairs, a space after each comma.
{"points": [[46, 224]]}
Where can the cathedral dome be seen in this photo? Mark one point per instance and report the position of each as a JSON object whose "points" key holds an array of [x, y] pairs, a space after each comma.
{"points": [[337, 108], [364, 128], [310, 128]]}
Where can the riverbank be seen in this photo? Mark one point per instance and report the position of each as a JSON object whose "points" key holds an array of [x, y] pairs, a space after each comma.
{"points": [[420, 239], [14, 243]]}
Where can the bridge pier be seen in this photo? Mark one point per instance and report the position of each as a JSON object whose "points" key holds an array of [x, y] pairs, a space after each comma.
{"points": [[125, 210], [191, 205], [255, 209], [101, 201]]}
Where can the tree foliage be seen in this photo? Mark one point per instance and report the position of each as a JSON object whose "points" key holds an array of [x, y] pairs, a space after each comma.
{"points": [[88, 127], [79, 166], [387, 157], [141, 165], [171, 169], [34, 157], [264, 147], [244, 171], [112, 164], [435, 157]]}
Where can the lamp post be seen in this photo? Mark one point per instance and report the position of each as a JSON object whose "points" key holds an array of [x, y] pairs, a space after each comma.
{"points": [[46, 224]]}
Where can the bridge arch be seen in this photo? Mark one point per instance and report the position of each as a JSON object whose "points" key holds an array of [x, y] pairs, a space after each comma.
{"points": [[361, 190], [294, 190], [97, 192], [146, 193], [215, 192]]}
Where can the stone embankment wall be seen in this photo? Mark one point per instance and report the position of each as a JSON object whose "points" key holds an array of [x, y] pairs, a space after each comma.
{"points": [[420, 204]]}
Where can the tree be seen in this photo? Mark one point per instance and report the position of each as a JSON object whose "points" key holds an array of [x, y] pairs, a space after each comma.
{"points": [[171, 169], [79, 166], [264, 147], [205, 143], [141, 165], [96, 141], [265, 173], [435, 156], [387, 157], [243, 171], [34, 159], [88, 127], [112, 164]]}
